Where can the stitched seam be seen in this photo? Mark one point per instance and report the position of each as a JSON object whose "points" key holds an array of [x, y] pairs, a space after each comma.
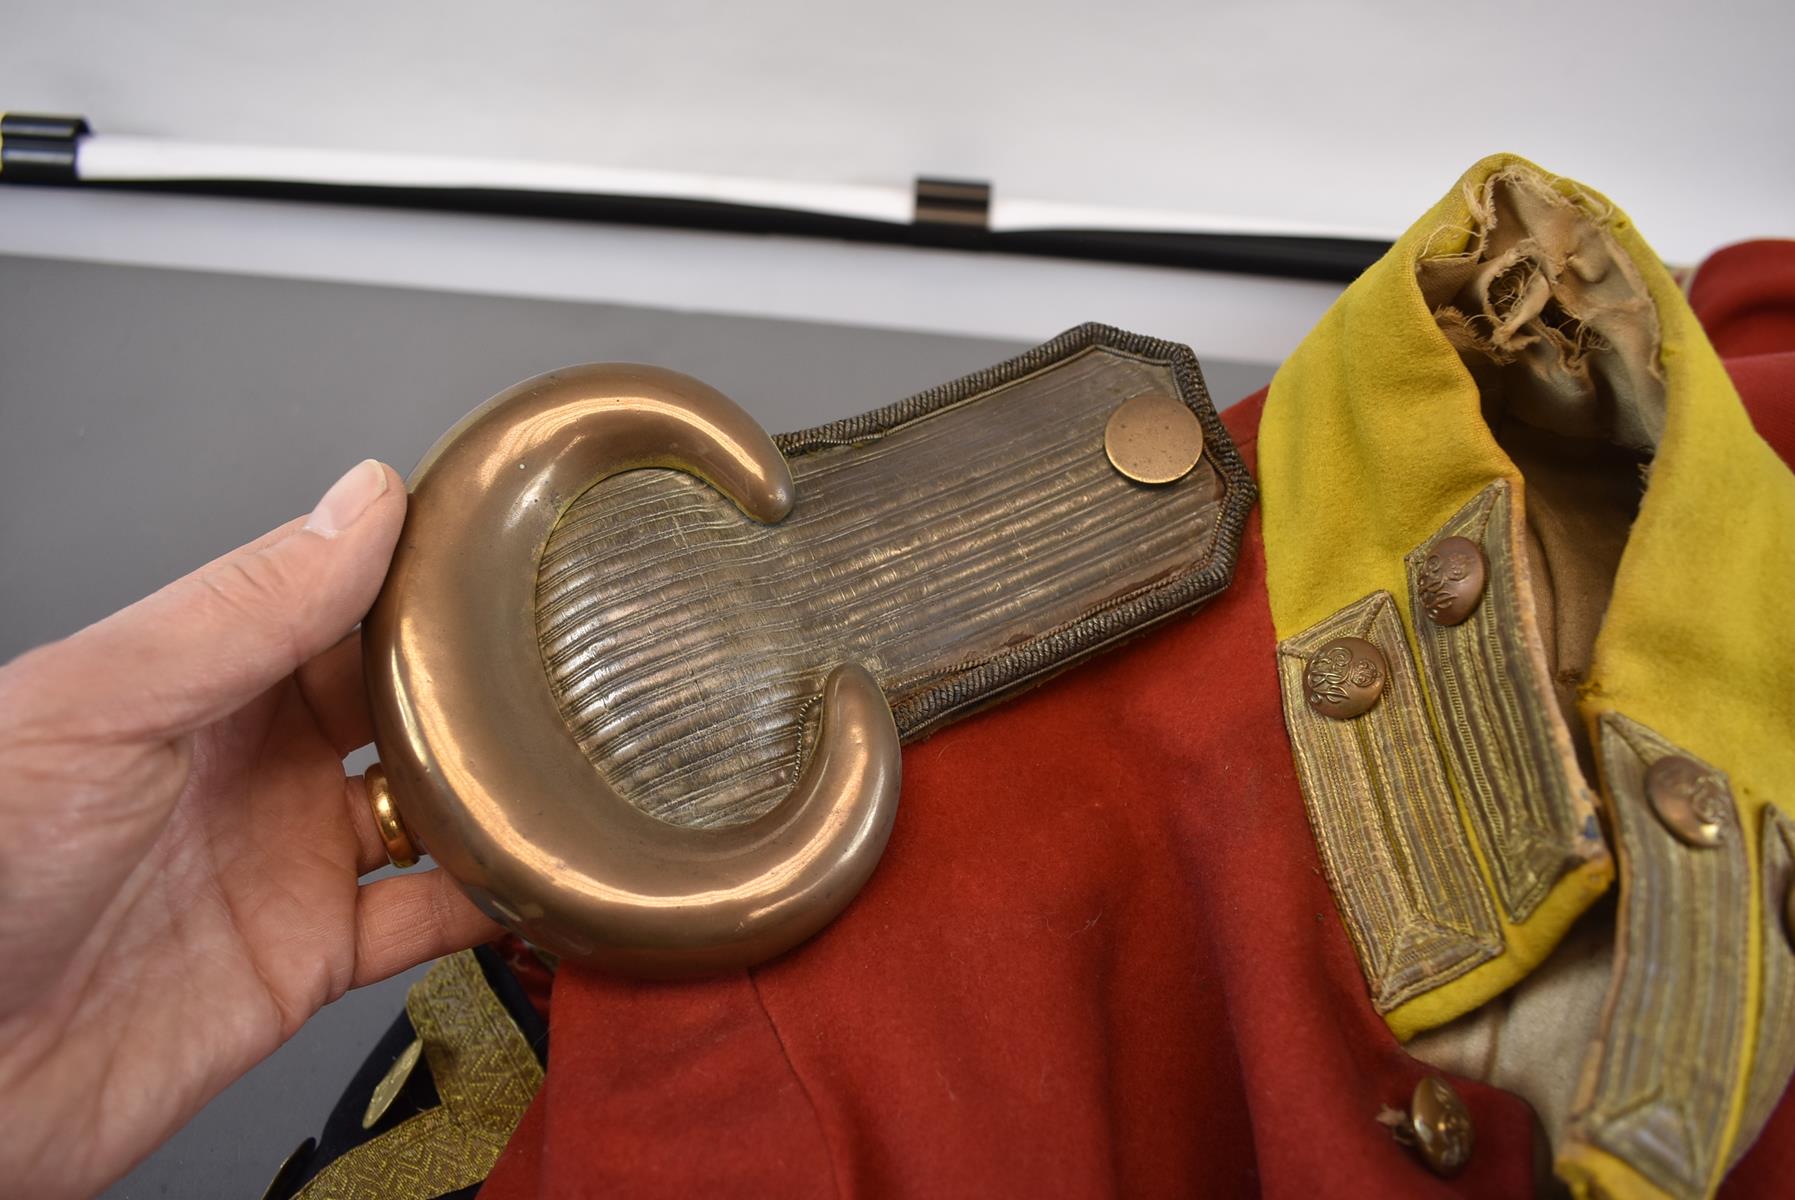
{"points": [[785, 1053]]}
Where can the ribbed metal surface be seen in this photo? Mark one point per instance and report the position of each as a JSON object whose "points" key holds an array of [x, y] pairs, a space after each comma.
{"points": [[952, 554]]}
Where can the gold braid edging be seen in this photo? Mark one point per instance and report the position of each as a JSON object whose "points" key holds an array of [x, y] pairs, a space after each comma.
{"points": [[1396, 854], [485, 1073], [1505, 744], [1659, 1083]]}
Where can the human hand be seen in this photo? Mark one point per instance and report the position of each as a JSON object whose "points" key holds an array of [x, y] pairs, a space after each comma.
{"points": [[180, 850]]}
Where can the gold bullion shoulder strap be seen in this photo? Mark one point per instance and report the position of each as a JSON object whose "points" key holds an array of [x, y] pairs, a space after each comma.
{"points": [[962, 544], [738, 644]]}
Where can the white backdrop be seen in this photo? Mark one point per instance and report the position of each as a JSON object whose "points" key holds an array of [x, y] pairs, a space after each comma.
{"points": [[1357, 115]]}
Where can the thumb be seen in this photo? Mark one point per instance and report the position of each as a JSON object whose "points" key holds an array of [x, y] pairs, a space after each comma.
{"points": [[205, 645]]}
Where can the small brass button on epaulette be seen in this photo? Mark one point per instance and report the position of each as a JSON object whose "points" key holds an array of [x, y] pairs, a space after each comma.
{"points": [[1692, 801], [1437, 1126], [1153, 438], [1451, 580], [1345, 678]]}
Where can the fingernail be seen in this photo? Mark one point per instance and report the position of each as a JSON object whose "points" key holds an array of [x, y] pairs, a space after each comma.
{"points": [[348, 498]]}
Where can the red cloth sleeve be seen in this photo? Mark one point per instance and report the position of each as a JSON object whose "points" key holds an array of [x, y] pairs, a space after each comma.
{"points": [[1744, 296]]}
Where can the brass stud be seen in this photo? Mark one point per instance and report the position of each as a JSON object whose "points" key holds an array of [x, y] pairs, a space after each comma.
{"points": [[387, 821], [1691, 800], [286, 1179], [392, 1083], [1437, 1126], [1452, 579], [1153, 438], [1345, 678]]}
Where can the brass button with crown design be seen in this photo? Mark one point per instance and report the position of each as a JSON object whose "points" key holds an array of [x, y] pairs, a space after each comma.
{"points": [[1345, 678], [1451, 580], [1692, 800]]}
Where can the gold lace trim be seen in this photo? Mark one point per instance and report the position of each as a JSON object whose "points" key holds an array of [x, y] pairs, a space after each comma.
{"points": [[1395, 850], [485, 1073], [1774, 1062], [1508, 751], [1657, 1089]]}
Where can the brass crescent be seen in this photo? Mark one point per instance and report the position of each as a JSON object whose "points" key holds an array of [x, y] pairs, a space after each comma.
{"points": [[485, 771]]}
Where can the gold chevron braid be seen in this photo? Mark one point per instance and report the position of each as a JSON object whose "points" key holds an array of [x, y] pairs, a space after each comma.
{"points": [[485, 1073]]}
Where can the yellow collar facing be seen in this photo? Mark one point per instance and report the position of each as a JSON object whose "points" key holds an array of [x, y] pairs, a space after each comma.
{"points": [[1373, 436], [1375, 443]]}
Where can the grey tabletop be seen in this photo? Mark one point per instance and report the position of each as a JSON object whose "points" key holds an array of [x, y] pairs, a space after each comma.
{"points": [[151, 419]]}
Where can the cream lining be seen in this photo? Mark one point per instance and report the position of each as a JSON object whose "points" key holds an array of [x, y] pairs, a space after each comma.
{"points": [[1550, 316], [1557, 328]]}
